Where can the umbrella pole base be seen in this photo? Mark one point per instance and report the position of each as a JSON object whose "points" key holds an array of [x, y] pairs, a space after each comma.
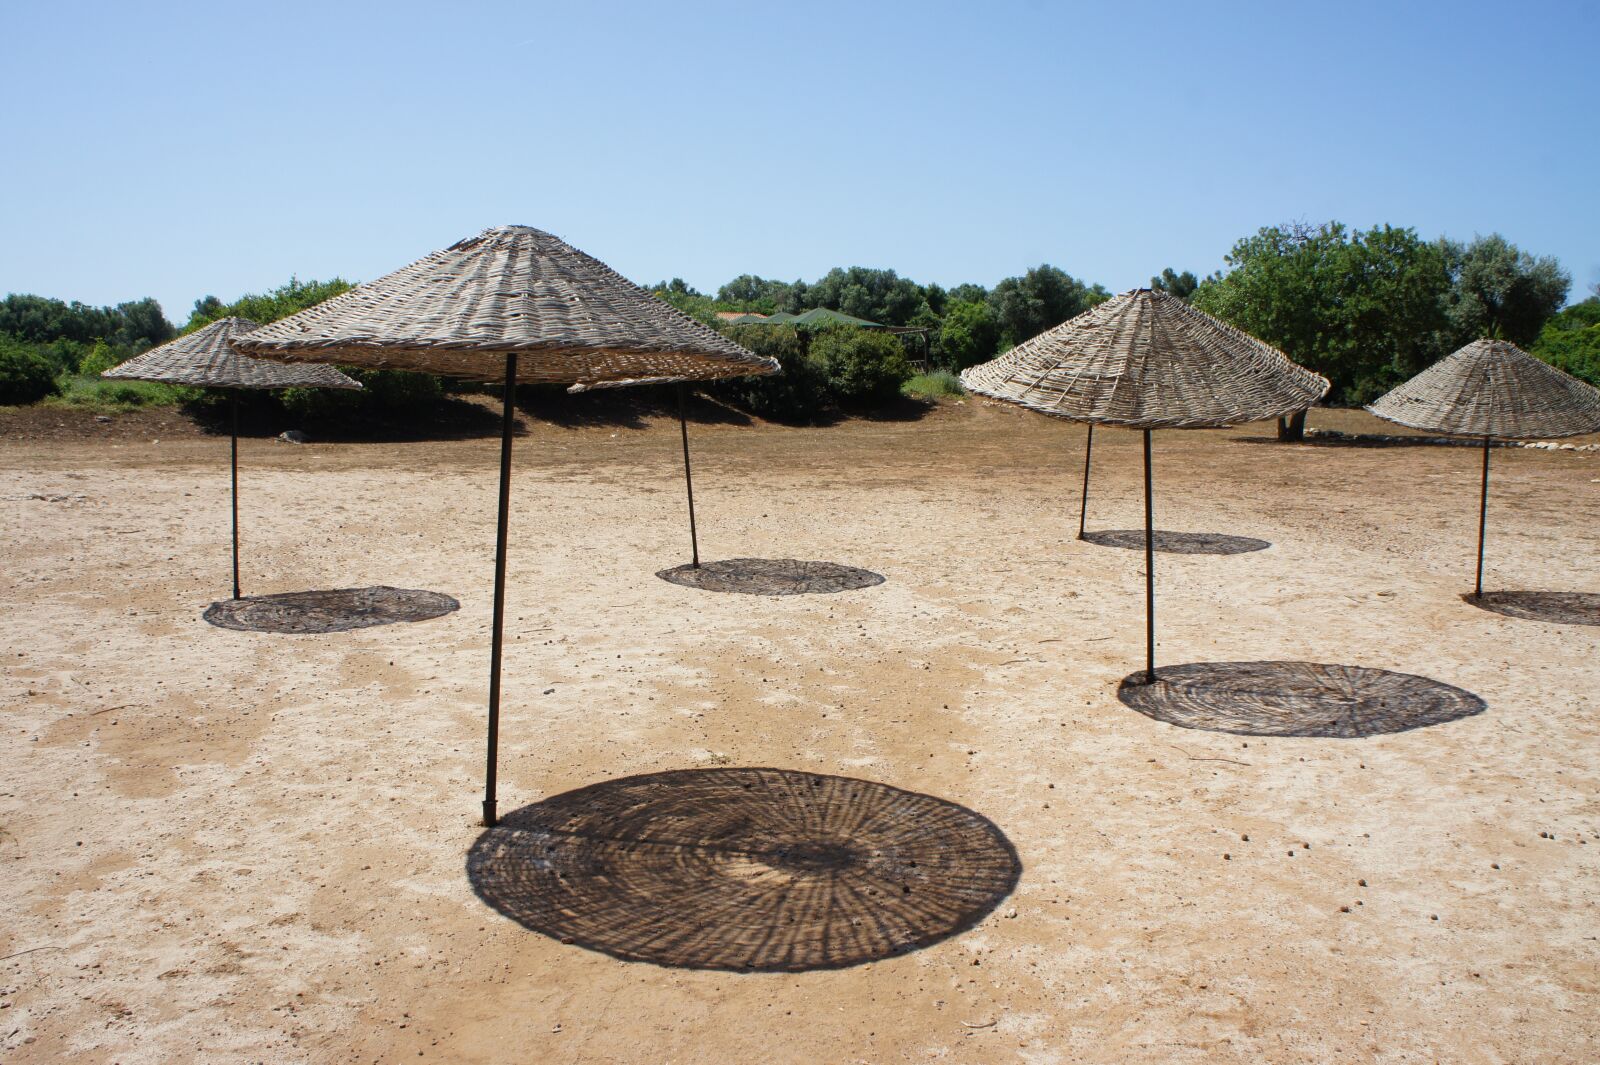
{"points": [[490, 818]]}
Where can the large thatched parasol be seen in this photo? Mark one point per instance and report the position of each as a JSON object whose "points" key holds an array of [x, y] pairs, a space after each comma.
{"points": [[1489, 389], [206, 359], [518, 305], [1146, 360]]}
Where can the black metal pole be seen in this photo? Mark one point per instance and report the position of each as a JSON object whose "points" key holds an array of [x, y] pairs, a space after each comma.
{"points": [[233, 402], [688, 479], [1149, 571], [1483, 518], [497, 641], [1083, 511]]}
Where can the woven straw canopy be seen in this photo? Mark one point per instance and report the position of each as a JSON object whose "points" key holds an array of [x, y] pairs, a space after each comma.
{"points": [[1492, 388], [1147, 360], [207, 358], [510, 290]]}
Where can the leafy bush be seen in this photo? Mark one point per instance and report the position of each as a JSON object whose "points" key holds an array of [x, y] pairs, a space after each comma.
{"points": [[933, 385], [25, 375], [98, 360], [864, 367], [1571, 341], [97, 393], [383, 391], [969, 334], [798, 393]]}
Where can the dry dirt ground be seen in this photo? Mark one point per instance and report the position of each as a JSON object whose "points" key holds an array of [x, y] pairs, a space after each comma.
{"points": [[231, 846]]}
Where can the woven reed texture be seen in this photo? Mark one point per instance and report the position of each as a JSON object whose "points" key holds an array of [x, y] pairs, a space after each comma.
{"points": [[1557, 608], [332, 610], [1295, 699], [759, 870], [1147, 360], [771, 576], [1493, 388], [568, 317], [206, 358]]}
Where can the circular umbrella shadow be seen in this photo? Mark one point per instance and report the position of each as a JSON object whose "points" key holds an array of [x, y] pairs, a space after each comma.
{"points": [[333, 610], [1560, 608], [1295, 699], [750, 870], [771, 576], [1178, 543]]}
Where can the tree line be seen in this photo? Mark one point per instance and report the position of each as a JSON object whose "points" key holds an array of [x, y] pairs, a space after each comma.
{"points": [[1366, 308]]}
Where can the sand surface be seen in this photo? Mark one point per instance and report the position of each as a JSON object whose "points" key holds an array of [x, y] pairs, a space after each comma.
{"points": [[223, 846]]}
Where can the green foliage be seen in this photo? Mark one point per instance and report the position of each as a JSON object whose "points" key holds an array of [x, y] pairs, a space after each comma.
{"points": [[1180, 285], [1365, 309], [935, 385], [747, 292], [969, 334], [695, 304], [799, 393], [130, 327], [383, 392], [25, 375], [1040, 299], [98, 360], [865, 367], [1501, 291], [96, 393], [880, 296], [1570, 341], [262, 308]]}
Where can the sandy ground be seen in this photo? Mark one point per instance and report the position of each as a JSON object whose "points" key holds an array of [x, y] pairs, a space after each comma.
{"points": [[228, 846]]}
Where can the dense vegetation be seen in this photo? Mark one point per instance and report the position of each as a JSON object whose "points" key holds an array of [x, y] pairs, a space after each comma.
{"points": [[1366, 308]]}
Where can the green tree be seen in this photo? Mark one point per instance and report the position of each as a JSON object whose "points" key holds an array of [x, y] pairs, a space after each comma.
{"points": [[261, 308], [25, 375], [1365, 309], [1501, 291], [970, 334], [1570, 341], [1040, 299], [747, 292], [1180, 285], [798, 393], [881, 296], [865, 367]]}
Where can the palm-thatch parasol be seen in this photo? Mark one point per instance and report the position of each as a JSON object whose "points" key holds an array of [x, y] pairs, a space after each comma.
{"points": [[206, 359], [1492, 388], [1146, 360], [518, 305]]}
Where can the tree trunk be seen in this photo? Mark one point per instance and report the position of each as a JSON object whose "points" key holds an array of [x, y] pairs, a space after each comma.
{"points": [[1292, 430]]}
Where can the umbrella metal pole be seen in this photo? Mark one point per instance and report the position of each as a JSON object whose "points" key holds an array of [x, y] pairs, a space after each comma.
{"points": [[1149, 571], [1483, 518], [498, 638], [688, 478], [1083, 510], [233, 403]]}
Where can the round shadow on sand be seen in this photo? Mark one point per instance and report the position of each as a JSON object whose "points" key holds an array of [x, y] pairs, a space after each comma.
{"points": [[333, 610], [1560, 608], [771, 576], [1178, 543], [747, 870], [1295, 699]]}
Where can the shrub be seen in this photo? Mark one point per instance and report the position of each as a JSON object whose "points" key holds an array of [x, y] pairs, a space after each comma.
{"points": [[25, 375], [797, 393], [97, 393], [933, 385], [384, 392], [99, 359], [864, 367]]}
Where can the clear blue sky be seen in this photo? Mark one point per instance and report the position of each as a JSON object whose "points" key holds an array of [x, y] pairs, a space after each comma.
{"points": [[176, 150]]}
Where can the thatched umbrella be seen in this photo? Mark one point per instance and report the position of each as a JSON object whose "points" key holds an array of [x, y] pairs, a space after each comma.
{"points": [[206, 359], [1489, 389], [513, 304], [1146, 360]]}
